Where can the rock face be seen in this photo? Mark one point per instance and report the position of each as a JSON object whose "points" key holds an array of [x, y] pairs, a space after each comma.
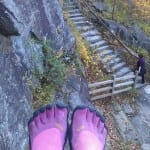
{"points": [[79, 95], [141, 120], [15, 108], [133, 35], [6, 25], [43, 17], [20, 22]]}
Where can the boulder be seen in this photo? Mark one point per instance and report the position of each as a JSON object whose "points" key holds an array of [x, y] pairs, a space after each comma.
{"points": [[43, 17], [6, 24], [100, 6], [132, 35]]}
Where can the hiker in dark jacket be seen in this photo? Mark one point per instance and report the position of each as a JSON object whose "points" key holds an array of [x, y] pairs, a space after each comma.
{"points": [[141, 67]]}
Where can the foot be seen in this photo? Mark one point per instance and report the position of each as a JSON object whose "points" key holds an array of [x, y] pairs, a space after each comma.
{"points": [[88, 131], [47, 130]]}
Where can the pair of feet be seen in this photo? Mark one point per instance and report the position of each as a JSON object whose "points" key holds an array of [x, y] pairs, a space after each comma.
{"points": [[48, 129]]}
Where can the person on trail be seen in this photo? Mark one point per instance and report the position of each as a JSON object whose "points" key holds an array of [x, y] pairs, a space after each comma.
{"points": [[141, 67], [48, 129]]}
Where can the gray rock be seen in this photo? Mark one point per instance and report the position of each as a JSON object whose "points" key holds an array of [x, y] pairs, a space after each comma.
{"points": [[145, 146], [128, 109], [145, 95], [133, 35], [79, 95], [15, 108], [141, 38], [101, 6], [38, 19], [147, 90], [6, 24], [126, 129], [44, 18], [142, 120], [116, 107]]}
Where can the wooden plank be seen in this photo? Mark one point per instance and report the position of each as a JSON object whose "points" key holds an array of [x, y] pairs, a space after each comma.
{"points": [[91, 85], [96, 84], [110, 94], [135, 79], [123, 90], [100, 96], [125, 77], [113, 85], [100, 90], [124, 84]]}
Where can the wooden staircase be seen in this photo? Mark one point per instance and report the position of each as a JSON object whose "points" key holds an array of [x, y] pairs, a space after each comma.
{"points": [[125, 79]]}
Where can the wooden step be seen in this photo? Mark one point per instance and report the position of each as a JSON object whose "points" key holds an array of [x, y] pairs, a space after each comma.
{"points": [[78, 19], [118, 65], [98, 44], [122, 71], [93, 39], [81, 23], [71, 7], [102, 48], [114, 61], [105, 52], [109, 58], [74, 11], [75, 15], [90, 33], [85, 28]]}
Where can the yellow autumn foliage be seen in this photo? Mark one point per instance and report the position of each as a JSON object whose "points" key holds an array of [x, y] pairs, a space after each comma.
{"points": [[138, 13], [91, 60], [83, 49]]}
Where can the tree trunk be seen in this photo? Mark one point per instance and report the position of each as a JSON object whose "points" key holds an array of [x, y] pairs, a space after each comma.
{"points": [[113, 11]]}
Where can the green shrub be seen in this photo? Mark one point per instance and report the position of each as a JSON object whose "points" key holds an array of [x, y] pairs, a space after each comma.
{"points": [[145, 27], [43, 95], [51, 79], [54, 67], [142, 51]]}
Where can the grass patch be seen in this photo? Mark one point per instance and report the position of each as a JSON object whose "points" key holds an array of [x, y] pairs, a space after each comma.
{"points": [[51, 79], [133, 93], [145, 27], [142, 51], [43, 95]]}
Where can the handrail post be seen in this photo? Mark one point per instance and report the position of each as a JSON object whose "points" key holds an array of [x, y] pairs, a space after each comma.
{"points": [[113, 85], [135, 79]]}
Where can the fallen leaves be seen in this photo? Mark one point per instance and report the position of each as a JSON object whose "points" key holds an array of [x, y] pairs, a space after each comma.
{"points": [[115, 142]]}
